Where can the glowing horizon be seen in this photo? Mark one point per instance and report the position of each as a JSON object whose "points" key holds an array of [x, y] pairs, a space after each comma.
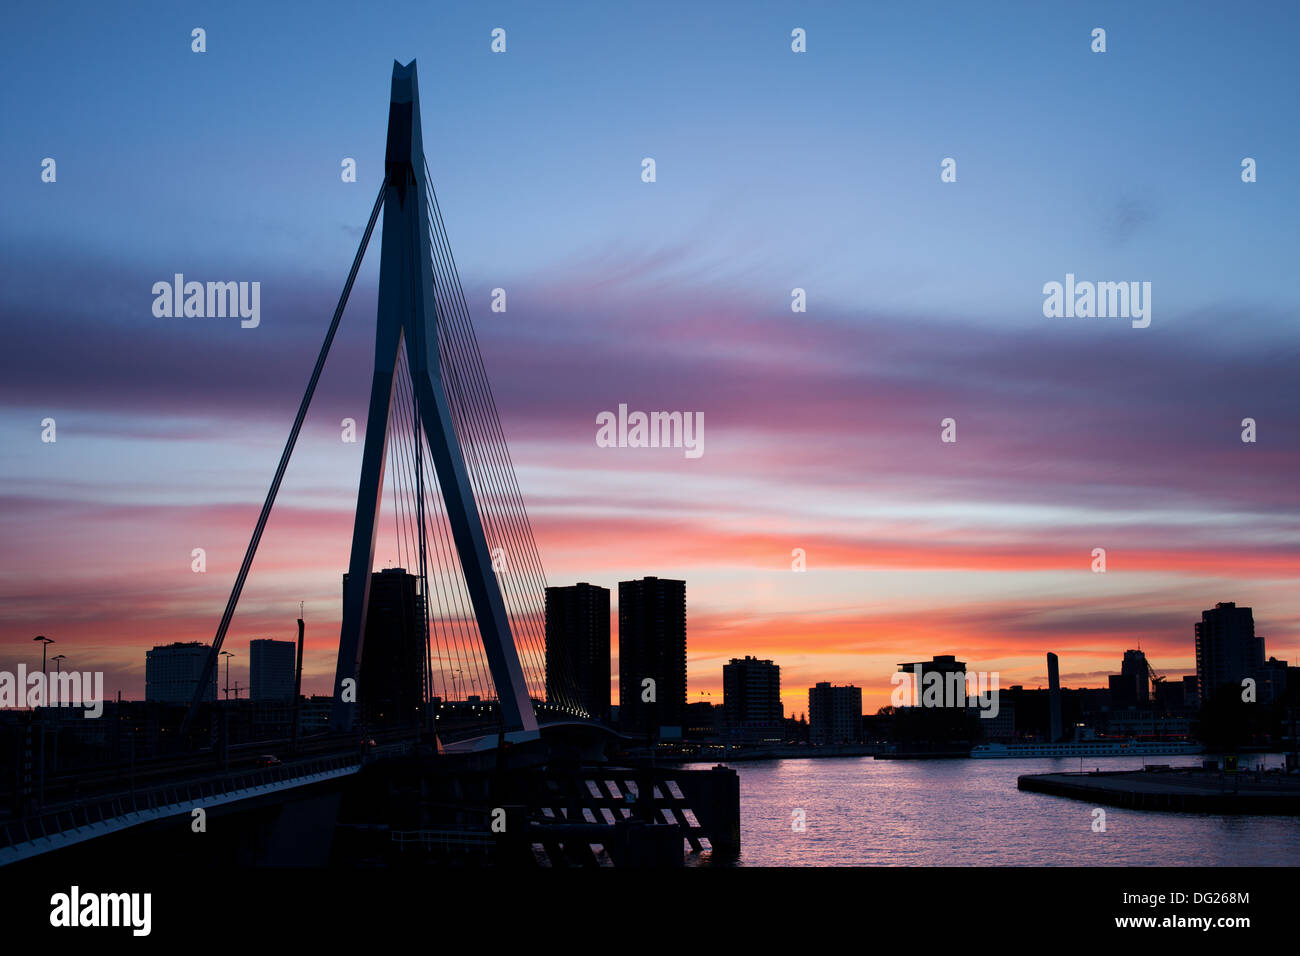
{"points": [[822, 428]]}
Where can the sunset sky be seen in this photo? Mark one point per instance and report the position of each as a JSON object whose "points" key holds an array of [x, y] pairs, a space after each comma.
{"points": [[775, 170]]}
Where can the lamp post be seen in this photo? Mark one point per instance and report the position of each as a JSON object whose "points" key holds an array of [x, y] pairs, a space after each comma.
{"points": [[44, 646], [227, 655], [225, 717], [58, 669], [58, 711]]}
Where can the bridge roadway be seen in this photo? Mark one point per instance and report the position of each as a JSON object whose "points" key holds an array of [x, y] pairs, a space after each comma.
{"points": [[80, 784], [82, 805]]}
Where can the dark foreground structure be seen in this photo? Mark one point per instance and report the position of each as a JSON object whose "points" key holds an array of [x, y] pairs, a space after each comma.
{"points": [[394, 805], [1182, 789], [398, 775]]}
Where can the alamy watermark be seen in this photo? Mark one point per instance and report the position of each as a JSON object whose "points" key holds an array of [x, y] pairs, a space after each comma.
{"points": [[76, 908], [1102, 300], [213, 300], [945, 688], [651, 430], [64, 689]]}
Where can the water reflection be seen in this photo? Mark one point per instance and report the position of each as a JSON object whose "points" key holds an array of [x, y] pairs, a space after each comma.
{"points": [[864, 812]]}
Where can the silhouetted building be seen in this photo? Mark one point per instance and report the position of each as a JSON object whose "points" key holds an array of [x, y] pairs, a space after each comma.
{"points": [[270, 717], [471, 716], [271, 669], [880, 727], [391, 682], [1002, 727], [1131, 687], [751, 691], [703, 720], [314, 713], [577, 649], [1169, 696], [947, 686], [652, 645], [172, 672], [1135, 668], [1123, 692], [1273, 680], [1191, 692], [1053, 696], [1144, 722], [939, 716], [1227, 650], [834, 714], [796, 730], [1031, 709]]}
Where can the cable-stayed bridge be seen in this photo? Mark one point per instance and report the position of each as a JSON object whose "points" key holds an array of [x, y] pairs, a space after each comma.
{"points": [[433, 430], [462, 619]]}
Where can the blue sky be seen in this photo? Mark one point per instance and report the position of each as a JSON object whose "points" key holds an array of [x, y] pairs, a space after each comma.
{"points": [[774, 170], [819, 170]]}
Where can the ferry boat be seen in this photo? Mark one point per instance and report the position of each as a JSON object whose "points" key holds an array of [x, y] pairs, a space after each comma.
{"points": [[1131, 747]]}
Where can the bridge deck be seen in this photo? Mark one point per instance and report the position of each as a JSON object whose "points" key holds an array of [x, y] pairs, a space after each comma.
{"points": [[87, 819]]}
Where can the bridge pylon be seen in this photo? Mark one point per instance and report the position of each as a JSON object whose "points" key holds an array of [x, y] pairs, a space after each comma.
{"points": [[408, 311], [407, 319]]}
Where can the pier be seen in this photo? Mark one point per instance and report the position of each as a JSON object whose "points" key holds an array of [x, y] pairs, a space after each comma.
{"points": [[1176, 789]]}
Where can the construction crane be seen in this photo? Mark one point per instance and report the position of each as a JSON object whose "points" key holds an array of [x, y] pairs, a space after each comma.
{"points": [[1156, 679], [1157, 684]]}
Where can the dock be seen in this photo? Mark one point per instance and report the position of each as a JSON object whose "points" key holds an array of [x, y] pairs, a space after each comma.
{"points": [[1176, 789]]}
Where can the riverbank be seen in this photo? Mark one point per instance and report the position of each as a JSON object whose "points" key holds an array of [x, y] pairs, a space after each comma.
{"points": [[732, 754]]}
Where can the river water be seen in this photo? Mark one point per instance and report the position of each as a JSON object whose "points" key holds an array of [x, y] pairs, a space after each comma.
{"points": [[865, 812]]}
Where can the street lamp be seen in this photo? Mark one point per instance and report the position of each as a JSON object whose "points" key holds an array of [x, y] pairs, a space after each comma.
{"points": [[47, 642], [227, 655], [58, 713]]}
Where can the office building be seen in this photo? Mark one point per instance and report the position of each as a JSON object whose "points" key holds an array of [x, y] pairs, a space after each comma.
{"points": [[1131, 687], [271, 669], [751, 700], [1227, 650], [577, 650], [1135, 670], [172, 672], [834, 714], [652, 647], [390, 685]]}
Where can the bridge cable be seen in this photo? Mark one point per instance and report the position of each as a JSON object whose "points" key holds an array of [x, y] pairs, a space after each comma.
{"points": [[528, 560], [470, 649], [488, 457], [478, 437], [209, 667], [406, 395], [469, 419], [508, 520]]}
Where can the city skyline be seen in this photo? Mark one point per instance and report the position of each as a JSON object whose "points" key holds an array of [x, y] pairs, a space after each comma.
{"points": [[1133, 662], [924, 302]]}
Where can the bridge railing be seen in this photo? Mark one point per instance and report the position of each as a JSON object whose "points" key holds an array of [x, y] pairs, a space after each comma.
{"points": [[50, 823]]}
